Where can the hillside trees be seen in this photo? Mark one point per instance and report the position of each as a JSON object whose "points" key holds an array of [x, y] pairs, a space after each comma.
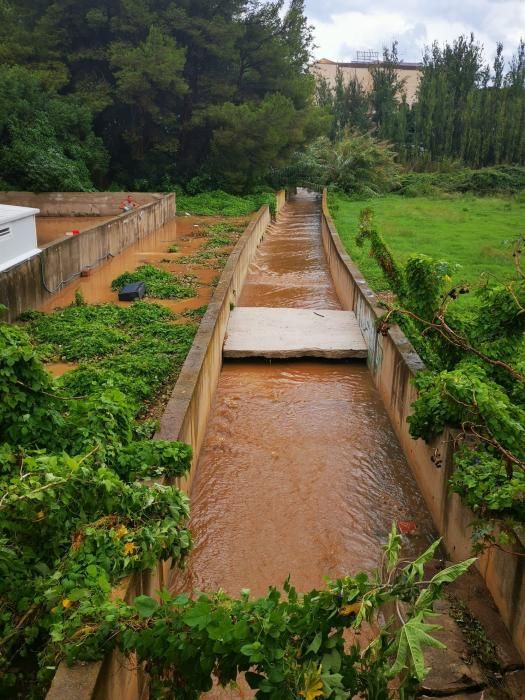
{"points": [[163, 79], [465, 110]]}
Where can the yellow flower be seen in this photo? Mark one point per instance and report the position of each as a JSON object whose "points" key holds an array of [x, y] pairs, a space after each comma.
{"points": [[313, 685], [351, 609], [121, 531], [129, 548], [66, 603]]}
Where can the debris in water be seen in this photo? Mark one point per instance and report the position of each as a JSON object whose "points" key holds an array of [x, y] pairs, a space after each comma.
{"points": [[407, 527]]}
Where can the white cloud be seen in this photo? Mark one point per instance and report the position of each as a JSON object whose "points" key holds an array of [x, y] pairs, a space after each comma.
{"points": [[344, 26]]}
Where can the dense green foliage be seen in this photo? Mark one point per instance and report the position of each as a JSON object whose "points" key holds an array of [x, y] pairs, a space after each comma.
{"points": [[218, 203], [160, 284], [133, 349], [74, 519], [475, 381], [288, 645], [503, 179], [357, 164], [465, 112], [46, 139], [186, 91]]}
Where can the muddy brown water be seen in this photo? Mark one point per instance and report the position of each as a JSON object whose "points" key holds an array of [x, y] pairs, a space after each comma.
{"points": [[300, 473], [184, 232], [53, 228]]}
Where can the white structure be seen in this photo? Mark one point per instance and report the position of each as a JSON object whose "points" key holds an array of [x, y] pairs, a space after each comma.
{"points": [[18, 240]]}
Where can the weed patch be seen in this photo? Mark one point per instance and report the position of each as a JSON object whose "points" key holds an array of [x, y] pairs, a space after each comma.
{"points": [[135, 349], [219, 203], [160, 284], [195, 314]]}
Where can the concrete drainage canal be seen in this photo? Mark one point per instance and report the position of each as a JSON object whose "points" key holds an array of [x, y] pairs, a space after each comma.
{"points": [[300, 473], [298, 424]]}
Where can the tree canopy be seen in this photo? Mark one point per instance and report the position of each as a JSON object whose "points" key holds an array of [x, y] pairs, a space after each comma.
{"points": [[465, 112], [170, 89]]}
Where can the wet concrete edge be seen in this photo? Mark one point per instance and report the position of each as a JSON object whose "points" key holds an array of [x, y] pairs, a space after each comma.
{"points": [[114, 676], [394, 362]]}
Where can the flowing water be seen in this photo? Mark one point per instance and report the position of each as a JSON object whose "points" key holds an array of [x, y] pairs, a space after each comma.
{"points": [[300, 473]]}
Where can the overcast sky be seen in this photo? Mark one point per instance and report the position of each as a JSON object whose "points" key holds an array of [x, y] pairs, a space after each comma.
{"points": [[344, 26]]}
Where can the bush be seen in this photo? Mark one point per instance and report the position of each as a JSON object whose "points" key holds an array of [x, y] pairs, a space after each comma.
{"points": [[160, 284], [219, 203], [358, 164], [504, 179]]}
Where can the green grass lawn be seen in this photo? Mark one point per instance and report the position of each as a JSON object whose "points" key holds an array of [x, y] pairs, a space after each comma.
{"points": [[475, 233]]}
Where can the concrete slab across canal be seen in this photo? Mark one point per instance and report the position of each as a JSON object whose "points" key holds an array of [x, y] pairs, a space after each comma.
{"points": [[286, 333]]}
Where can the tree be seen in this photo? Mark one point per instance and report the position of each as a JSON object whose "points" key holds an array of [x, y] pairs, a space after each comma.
{"points": [[252, 138], [356, 164], [387, 92], [156, 73], [47, 141]]}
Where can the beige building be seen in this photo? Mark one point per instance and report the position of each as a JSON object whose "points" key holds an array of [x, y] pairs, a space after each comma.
{"points": [[409, 72]]}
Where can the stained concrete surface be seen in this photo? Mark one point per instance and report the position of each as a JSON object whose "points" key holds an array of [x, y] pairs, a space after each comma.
{"points": [[285, 333]]}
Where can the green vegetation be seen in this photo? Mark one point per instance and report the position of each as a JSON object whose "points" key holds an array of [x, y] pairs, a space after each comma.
{"points": [[288, 645], [357, 164], [75, 516], [502, 179], [160, 284], [46, 140], [475, 382], [480, 647], [474, 235], [134, 349], [195, 314], [220, 203], [466, 112], [145, 95]]}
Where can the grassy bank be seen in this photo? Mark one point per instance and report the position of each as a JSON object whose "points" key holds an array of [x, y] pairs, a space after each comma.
{"points": [[473, 233], [219, 203]]}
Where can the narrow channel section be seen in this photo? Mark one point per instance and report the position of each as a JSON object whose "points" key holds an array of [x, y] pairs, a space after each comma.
{"points": [[300, 473]]}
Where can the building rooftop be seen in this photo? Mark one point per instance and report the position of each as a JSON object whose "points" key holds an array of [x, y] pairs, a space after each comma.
{"points": [[9, 213]]}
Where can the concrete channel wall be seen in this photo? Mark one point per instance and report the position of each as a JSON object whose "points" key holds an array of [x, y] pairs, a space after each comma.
{"points": [[76, 203], [185, 419], [393, 363], [187, 412], [33, 281]]}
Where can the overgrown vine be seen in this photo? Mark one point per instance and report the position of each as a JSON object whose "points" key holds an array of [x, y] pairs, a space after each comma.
{"points": [[475, 383], [85, 501]]}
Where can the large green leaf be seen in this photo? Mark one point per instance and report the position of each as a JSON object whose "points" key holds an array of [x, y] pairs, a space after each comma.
{"points": [[412, 637]]}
